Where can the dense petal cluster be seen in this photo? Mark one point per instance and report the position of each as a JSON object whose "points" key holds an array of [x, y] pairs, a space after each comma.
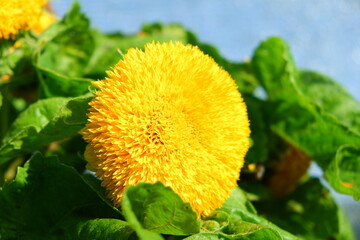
{"points": [[168, 114], [19, 14]]}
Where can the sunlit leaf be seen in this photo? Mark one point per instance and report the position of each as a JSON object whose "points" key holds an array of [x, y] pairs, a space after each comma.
{"points": [[43, 122], [159, 209]]}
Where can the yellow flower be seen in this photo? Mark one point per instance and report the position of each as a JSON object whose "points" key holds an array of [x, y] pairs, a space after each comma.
{"points": [[168, 114], [18, 14]]}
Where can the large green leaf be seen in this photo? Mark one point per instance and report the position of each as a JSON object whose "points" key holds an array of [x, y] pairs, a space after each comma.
{"points": [[50, 200], [159, 209], [43, 122], [333, 98], [142, 233], [297, 117], [310, 213]]}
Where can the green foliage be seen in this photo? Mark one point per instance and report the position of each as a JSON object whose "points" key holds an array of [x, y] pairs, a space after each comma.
{"points": [[260, 130], [42, 123], [56, 85], [50, 200], [45, 193], [67, 45], [343, 171], [303, 118], [303, 213], [159, 209], [331, 97], [104, 229], [238, 219]]}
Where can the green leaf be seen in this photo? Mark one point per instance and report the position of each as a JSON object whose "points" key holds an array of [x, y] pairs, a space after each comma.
{"points": [[105, 54], [344, 169], [275, 69], [109, 229], [242, 230], [130, 216], [76, 109], [260, 131], [95, 184], [6, 113], [243, 220], [43, 122], [18, 78], [54, 84], [69, 152], [46, 197], [237, 219], [221, 225], [270, 230], [333, 98], [216, 222], [310, 213], [224, 227], [159, 209], [205, 236], [297, 117], [242, 73], [237, 199], [15, 61], [141, 232]]}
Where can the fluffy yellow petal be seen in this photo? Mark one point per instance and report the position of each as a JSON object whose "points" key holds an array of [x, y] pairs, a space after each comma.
{"points": [[18, 14], [168, 114]]}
